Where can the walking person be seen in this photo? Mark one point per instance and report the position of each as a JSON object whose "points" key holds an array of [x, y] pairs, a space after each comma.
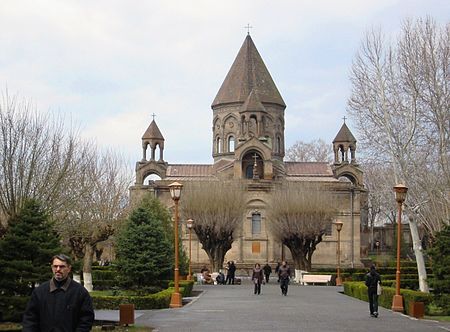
{"points": [[284, 274], [372, 280], [60, 304], [277, 269], [267, 271], [257, 278]]}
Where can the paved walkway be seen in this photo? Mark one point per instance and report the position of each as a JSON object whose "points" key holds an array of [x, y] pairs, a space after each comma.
{"points": [[305, 308]]}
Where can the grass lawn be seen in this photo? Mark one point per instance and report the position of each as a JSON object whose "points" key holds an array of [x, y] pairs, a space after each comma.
{"points": [[18, 327], [439, 318], [126, 328], [10, 327]]}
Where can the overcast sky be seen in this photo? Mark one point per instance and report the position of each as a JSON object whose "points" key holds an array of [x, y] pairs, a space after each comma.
{"points": [[108, 65]]}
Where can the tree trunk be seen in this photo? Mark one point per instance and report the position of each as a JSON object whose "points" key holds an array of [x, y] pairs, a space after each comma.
{"points": [[417, 246], [87, 267]]}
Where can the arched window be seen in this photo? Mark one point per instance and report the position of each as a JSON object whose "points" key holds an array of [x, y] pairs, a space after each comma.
{"points": [[278, 145], [256, 223], [218, 145], [231, 144]]}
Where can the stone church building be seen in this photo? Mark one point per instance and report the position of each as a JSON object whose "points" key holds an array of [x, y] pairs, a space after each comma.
{"points": [[248, 143]]}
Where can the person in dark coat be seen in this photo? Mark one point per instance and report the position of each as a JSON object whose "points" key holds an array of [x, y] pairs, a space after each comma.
{"points": [[231, 273], [372, 280], [60, 304], [267, 271], [277, 269], [220, 279], [284, 274], [257, 278]]}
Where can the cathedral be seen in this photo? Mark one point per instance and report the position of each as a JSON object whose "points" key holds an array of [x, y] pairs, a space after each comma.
{"points": [[248, 143]]}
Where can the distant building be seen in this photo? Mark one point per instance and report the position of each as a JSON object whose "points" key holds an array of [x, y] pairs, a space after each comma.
{"points": [[248, 143]]}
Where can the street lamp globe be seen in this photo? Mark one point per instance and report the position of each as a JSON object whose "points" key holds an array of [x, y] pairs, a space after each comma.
{"points": [[400, 192], [339, 225], [189, 223], [175, 190]]}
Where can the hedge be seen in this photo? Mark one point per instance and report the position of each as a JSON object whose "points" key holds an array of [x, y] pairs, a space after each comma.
{"points": [[152, 301], [103, 275], [185, 285], [359, 290]]}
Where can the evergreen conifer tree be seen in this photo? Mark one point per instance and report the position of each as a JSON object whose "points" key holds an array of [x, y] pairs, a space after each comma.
{"points": [[440, 254], [144, 254], [160, 212], [26, 250]]}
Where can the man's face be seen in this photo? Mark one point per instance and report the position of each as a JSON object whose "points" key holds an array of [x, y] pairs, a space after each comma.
{"points": [[60, 269]]}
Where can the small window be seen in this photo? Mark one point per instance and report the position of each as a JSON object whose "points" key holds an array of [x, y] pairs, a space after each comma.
{"points": [[256, 224], [231, 144], [256, 247], [278, 145], [218, 145]]}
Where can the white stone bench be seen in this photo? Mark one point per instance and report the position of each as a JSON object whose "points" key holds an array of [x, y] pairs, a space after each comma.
{"points": [[316, 279]]}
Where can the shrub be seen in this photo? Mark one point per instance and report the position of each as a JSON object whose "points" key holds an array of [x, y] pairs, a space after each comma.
{"points": [[103, 274], [185, 287], [158, 300]]}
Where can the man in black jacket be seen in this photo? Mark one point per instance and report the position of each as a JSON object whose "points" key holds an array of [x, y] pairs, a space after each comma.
{"points": [[284, 274], [372, 280], [60, 304]]}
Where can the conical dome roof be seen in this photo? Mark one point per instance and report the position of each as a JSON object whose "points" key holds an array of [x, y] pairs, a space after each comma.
{"points": [[344, 135], [248, 73], [153, 132], [253, 102]]}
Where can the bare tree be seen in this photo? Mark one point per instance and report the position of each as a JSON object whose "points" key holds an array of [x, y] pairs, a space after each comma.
{"points": [[300, 214], [217, 209], [380, 205], [39, 159], [400, 102], [316, 150], [100, 209]]}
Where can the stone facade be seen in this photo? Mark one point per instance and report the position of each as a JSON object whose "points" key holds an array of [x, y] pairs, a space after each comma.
{"points": [[248, 144]]}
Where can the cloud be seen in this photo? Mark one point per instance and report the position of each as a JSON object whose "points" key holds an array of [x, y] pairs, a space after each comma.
{"points": [[111, 64]]}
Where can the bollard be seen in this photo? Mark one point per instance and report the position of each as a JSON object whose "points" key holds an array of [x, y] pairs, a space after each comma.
{"points": [[416, 309], [126, 314]]}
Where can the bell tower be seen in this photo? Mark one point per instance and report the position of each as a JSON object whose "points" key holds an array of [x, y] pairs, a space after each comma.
{"points": [[248, 117], [345, 164]]}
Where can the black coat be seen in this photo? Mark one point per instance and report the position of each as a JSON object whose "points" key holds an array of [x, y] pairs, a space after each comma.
{"points": [[68, 308], [372, 279]]}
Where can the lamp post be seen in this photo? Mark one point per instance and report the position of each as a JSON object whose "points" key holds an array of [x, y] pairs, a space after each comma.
{"points": [[339, 225], [175, 193], [189, 225], [400, 196]]}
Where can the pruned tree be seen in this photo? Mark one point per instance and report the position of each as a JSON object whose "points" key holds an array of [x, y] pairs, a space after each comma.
{"points": [[299, 214], [217, 209], [400, 102], [314, 151], [100, 209]]}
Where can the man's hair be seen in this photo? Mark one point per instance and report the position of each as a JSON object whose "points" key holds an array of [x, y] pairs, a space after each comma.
{"points": [[63, 258]]}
